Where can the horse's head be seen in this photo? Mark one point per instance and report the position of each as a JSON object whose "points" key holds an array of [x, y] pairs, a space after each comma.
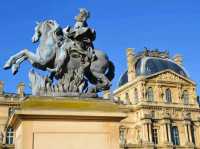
{"points": [[44, 28]]}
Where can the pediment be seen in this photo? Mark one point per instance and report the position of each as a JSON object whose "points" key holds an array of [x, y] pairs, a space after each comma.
{"points": [[169, 76]]}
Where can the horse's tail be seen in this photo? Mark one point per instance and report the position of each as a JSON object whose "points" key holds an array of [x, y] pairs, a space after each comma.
{"points": [[111, 71]]}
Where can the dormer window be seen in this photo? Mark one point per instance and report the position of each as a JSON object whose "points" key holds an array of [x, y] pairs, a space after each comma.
{"points": [[185, 97], [168, 96], [150, 95]]}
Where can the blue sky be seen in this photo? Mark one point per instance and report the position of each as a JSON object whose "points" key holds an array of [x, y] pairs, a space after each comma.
{"points": [[172, 25]]}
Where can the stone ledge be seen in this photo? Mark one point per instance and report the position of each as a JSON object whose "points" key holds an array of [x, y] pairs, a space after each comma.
{"points": [[67, 108], [70, 103]]}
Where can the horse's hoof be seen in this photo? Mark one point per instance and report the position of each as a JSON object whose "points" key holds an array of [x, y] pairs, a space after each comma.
{"points": [[15, 72], [6, 66], [14, 69]]}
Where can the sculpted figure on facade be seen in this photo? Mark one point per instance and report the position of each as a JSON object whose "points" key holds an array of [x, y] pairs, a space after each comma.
{"points": [[69, 56]]}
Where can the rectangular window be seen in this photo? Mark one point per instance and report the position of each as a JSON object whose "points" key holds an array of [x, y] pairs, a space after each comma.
{"points": [[155, 136], [175, 136], [122, 136], [9, 136]]}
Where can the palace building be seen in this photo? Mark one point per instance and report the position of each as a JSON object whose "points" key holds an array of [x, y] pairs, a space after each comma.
{"points": [[158, 96], [161, 98]]}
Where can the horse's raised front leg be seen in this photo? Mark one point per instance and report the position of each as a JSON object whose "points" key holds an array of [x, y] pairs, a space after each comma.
{"points": [[12, 60], [16, 65], [18, 58]]}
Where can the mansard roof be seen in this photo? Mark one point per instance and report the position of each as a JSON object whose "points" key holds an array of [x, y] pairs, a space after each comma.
{"points": [[149, 64]]}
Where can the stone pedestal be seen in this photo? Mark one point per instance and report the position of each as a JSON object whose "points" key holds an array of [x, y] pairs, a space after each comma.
{"points": [[66, 123]]}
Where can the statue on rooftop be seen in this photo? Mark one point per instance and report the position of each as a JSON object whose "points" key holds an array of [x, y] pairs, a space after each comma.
{"points": [[69, 56]]}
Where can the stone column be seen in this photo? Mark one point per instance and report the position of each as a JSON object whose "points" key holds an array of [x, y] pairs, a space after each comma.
{"points": [[150, 132], [147, 131], [166, 131], [197, 132], [144, 132], [169, 132], [188, 136], [190, 133]]}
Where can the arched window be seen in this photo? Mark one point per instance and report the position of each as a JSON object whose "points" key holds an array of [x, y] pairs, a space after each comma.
{"points": [[150, 96], [175, 136], [136, 94], [9, 136], [185, 97], [168, 95]]}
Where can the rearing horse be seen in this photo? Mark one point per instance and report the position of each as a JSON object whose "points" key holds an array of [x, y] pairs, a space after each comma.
{"points": [[52, 53], [48, 51]]}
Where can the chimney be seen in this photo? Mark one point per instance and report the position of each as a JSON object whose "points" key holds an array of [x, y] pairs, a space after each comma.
{"points": [[178, 59], [131, 64], [1, 87], [20, 89]]}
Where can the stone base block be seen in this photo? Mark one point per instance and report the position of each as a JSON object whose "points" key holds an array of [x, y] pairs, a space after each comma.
{"points": [[66, 124]]}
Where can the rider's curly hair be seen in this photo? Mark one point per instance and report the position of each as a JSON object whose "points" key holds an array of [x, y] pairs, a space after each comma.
{"points": [[84, 14]]}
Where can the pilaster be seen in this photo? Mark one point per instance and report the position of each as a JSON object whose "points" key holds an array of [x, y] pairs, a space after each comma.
{"points": [[188, 136], [147, 131], [166, 132]]}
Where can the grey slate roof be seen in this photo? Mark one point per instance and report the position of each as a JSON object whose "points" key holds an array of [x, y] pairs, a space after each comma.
{"points": [[150, 65]]}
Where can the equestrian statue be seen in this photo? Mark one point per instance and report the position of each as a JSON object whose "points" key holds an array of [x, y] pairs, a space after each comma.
{"points": [[75, 67]]}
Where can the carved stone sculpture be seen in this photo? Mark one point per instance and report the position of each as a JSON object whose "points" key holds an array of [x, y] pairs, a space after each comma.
{"points": [[69, 56]]}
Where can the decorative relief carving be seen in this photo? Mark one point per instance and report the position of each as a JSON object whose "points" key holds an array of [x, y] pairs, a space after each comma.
{"points": [[186, 115], [166, 114], [169, 77]]}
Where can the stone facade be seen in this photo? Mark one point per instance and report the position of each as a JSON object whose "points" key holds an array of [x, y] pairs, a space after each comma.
{"points": [[163, 109], [8, 103]]}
